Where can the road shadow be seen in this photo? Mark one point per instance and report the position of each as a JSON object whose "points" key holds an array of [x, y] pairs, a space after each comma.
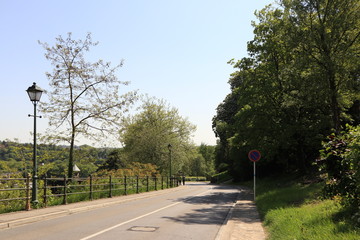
{"points": [[210, 216], [215, 210]]}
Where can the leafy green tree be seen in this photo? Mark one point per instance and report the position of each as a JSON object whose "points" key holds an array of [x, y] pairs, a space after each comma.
{"points": [[16, 156], [221, 124], [115, 160], [292, 89], [198, 167], [328, 34], [208, 154], [84, 99], [146, 136]]}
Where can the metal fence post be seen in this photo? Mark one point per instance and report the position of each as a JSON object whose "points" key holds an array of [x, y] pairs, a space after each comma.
{"points": [[137, 184], [27, 204], [91, 187], [45, 188], [162, 182], [65, 191], [147, 183], [110, 187], [125, 185], [155, 179]]}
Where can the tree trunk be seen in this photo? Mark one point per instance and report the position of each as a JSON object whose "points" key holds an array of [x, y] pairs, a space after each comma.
{"points": [[73, 130], [334, 104], [71, 156]]}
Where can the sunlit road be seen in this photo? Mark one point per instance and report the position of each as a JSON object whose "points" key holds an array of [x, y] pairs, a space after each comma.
{"points": [[195, 211]]}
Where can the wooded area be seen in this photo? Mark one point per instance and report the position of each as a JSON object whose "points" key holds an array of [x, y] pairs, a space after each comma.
{"points": [[16, 161], [297, 94], [299, 84], [295, 98]]}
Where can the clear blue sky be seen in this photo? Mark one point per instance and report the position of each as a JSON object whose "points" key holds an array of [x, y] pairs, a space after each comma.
{"points": [[173, 50]]}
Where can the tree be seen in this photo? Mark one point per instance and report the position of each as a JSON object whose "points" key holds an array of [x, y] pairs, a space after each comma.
{"points": [[300, 79], [328, 33], [84, 99], [114, 161], [146, 136], [208, 153]]}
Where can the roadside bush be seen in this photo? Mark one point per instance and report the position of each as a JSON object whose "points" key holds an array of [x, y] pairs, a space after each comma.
{"points": [[221, 177], [132, 169], [340, 163], [195, 178]]}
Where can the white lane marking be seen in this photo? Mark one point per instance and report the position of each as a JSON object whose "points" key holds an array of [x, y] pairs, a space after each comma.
{"points": [[131, 220], [134, 219]]}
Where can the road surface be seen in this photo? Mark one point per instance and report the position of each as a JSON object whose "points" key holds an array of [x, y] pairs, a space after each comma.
{"points": [[194, 211]]}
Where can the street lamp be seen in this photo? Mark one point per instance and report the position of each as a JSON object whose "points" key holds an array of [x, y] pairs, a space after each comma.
{"points": [[170, 158], [34, 93]]}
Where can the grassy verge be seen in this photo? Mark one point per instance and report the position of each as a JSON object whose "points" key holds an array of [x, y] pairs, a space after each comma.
{"points": [[292, 210], [221, 177]]}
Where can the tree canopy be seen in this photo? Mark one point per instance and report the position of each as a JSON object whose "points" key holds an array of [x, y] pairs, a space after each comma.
{"points": [[85, 98], [297, 85], [146, 136]]}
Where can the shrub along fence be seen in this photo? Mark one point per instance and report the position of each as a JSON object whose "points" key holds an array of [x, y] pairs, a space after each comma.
{"points": [[15, 193]]}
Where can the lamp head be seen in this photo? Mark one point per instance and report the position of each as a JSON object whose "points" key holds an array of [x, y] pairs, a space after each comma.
{"points": [[34, 93]]}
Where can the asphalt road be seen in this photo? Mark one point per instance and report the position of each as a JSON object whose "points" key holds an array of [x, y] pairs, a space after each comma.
{"points": [[195, 211]]}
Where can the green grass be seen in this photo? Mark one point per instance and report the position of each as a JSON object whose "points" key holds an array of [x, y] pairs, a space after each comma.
{"points": [[221, 177], [294, 211]]}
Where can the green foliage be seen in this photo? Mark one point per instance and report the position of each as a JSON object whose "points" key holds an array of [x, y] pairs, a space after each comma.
{"points": [[201, 162], [313, 221], [340, 161], [52, 160], [299, 82], [146, 137], [144, 178], [195, 179], [115, 160], [292, 209], [16, 205], [221, 177], [132, 169], [208, 154]]}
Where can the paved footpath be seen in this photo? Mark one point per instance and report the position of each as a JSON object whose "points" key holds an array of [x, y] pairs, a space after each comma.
{"points": [[242, 222]]}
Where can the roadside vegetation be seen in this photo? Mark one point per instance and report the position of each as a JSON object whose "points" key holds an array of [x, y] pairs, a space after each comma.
{"points": [[135, 178], [295, 98], [295, 208], [16, 161], [298, 85]]}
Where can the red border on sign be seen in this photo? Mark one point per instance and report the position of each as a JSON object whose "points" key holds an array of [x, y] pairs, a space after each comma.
{"points": [[254, 158]]}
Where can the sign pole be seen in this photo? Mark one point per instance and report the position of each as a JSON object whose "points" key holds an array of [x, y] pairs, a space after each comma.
{"points": [[254, 156], [254, 181]]}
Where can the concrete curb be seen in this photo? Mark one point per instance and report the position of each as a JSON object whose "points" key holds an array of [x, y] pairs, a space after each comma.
{"points": [[243, 221], [23, 221], [223, 229]]}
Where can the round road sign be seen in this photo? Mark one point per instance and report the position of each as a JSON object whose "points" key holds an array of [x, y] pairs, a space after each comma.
{"points": [[254, 155]]}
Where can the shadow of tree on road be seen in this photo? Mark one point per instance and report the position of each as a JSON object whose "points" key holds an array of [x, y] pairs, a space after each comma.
{"points": [[214, 212], [210, 216]]}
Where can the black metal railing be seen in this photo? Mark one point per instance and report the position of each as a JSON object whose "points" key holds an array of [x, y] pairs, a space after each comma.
{"points": [[15, 192]]}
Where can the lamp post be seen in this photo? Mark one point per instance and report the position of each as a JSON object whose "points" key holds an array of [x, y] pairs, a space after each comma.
{"points": [[170, 158], [34, 93]]}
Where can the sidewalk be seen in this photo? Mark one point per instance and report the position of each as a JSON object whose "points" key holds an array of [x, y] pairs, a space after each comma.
{"points": [[242, 222]]}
